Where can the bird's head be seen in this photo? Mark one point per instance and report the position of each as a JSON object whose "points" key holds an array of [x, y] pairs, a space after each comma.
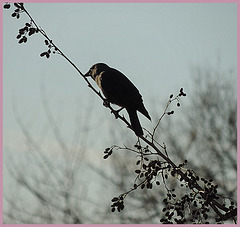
{"points": [[96, 70]]}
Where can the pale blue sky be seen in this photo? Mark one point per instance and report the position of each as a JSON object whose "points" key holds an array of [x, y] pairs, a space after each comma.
{"points": [[155, 45]]}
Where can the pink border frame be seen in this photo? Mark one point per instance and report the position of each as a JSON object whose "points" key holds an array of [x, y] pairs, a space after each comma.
{"points": [[117, 1], [1, 118], [130, 1]]}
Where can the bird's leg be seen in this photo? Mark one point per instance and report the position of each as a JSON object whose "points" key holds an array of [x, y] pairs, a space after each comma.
{"points": [[106, 103], [116, 112]]}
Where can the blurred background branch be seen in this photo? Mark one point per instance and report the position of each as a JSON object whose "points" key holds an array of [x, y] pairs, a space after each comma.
{"points": [[59, 189]]}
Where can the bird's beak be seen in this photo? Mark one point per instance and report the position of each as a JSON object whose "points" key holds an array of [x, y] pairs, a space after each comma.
{"points": [[87, 74]]}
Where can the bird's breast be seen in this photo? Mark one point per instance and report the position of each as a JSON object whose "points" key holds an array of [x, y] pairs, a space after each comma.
{"points": [[98, 80]]}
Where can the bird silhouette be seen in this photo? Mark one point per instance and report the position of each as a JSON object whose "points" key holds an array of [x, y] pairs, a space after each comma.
{"points": [[118, 89]]}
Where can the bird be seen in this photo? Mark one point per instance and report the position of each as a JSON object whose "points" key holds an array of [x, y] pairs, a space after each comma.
{"points": [[119, 90]]}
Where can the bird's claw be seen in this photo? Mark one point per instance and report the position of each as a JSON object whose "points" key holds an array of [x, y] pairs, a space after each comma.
{"points": [[106, 103], [116, 112]]}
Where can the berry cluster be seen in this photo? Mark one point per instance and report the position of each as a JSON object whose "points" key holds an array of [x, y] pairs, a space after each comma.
{"points": [[29, 30], [149, 170], [181, 93], [17, 11], [193, 207], [118, 203], [50, 46], [108, 151], [188, 208]]}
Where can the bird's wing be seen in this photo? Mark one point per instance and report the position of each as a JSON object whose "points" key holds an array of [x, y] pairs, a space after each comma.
{"points": [[119, 89]]}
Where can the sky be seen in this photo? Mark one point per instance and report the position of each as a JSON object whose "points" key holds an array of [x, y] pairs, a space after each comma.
{"points": [[155, 45]]}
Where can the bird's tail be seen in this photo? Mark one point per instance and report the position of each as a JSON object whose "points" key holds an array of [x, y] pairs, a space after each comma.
{"points": [[143, 110], [136, 126]]}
